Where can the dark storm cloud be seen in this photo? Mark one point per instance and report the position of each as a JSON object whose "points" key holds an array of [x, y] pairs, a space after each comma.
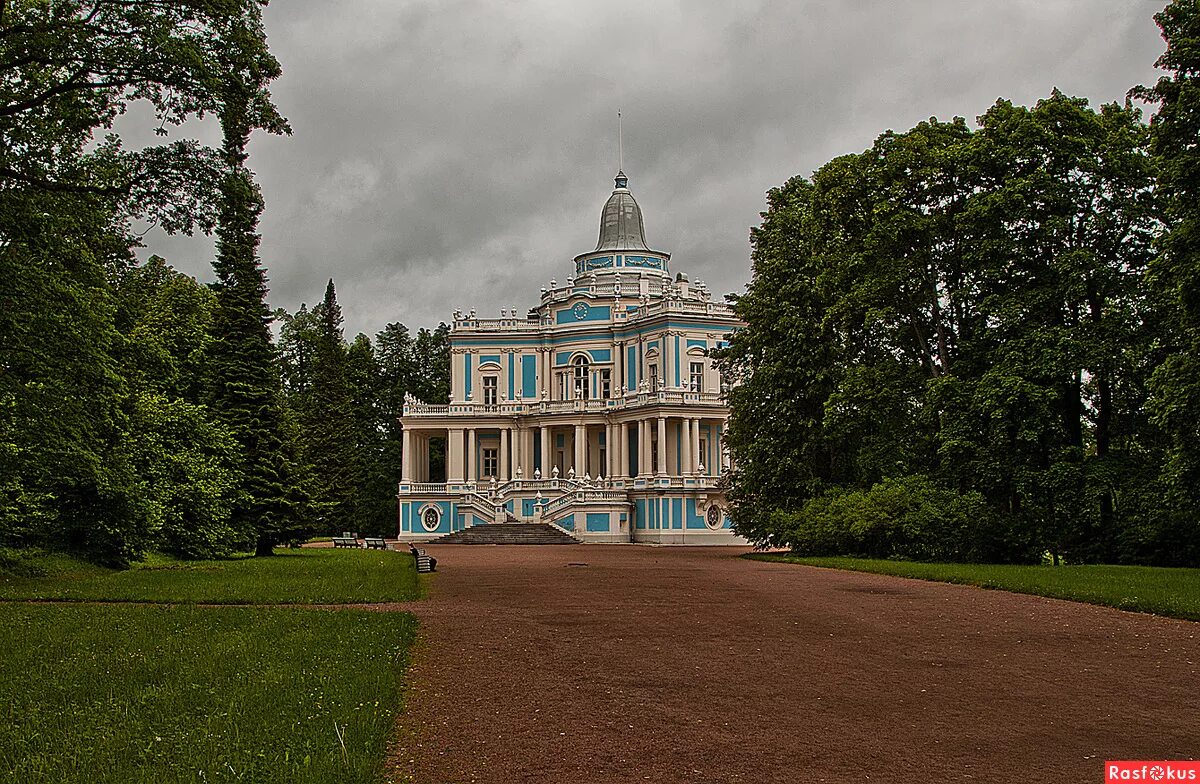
{"points": [[455, 153]]}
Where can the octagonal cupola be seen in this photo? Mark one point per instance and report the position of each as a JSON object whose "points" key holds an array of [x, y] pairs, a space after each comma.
{"points": [[622, 242]]}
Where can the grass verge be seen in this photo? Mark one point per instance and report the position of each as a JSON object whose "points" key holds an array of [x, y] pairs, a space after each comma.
{"points": [[1171, 592], [103, 693], [300, 576]]}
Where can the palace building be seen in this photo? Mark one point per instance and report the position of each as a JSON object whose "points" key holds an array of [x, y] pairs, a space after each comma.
{"points": [[599, 412]]}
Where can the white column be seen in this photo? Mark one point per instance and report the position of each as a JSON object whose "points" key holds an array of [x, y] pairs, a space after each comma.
{"points": [[546, 461], [454, 457], [503, 455], [580, 450], [696, 457], [472, 459], [406, 456], [623, 430], [662, 446], [610, 449], [685, 444], [644, 467], [544, 381]]}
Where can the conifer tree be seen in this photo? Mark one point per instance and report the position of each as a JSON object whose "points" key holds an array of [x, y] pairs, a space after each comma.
{"points": [[329, 439], [245, 385]]}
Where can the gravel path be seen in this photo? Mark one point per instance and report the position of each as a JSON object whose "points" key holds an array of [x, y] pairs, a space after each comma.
{"points": [[626, 663]]}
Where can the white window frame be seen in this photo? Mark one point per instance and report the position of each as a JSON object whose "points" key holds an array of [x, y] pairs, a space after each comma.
{"points": [[581, 370], [489, 461]]}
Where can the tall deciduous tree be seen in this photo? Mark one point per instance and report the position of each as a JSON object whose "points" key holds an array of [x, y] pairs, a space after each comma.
{"points": [[1174, 132], [956, 311], [68, 69]]}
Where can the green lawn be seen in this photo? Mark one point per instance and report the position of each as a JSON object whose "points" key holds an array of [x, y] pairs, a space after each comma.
{"points": [[1171, 592], [302, 576], [165, 694], [175, 692]]}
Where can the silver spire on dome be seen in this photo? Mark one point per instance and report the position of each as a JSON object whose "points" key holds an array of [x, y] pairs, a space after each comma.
{"points": [[621, 225]]}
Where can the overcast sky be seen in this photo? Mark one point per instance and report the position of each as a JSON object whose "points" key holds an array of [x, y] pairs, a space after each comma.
{"points": [[456, 153]]}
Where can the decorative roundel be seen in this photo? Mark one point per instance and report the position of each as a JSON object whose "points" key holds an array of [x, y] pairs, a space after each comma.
{"points": [[580, 310], [712, 518], [431, 518]]}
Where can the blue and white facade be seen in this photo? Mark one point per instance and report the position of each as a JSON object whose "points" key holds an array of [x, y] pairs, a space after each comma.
{"points": [[599, 412]]}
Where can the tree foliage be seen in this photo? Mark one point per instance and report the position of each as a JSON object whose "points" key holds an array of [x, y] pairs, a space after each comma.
{"points": [[967, 310], [347, 399], [106, 447], [1175, 384]]}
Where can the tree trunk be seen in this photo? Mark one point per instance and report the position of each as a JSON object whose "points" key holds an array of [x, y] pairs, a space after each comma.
{"points": [[264, 547], [1103, 434]]}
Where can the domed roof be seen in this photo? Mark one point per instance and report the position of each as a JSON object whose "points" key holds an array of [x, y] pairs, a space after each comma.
{"points": [[621, 226]]}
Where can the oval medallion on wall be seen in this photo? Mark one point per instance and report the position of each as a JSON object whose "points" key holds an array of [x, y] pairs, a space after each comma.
{"points": [[431, 518]]}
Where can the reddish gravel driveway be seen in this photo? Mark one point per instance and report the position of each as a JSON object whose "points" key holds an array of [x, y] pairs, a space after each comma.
{"points": [[692, 665]]}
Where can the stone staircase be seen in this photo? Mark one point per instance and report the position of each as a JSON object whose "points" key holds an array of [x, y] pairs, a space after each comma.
{"points": [[508, 533]]}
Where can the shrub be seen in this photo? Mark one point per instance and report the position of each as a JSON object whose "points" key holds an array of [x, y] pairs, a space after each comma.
{"points": [[910, 518]]}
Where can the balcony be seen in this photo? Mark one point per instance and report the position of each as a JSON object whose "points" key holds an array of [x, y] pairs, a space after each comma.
{"points": [[632, 400]]}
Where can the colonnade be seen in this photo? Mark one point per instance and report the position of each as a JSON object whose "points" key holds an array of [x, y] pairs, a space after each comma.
{"points": [[664, 446]]}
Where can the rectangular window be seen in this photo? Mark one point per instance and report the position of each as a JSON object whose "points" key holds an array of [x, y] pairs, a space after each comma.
{"points": [[697, 377], [605, 384], [489, 390], [491, 461], [653, 378]]}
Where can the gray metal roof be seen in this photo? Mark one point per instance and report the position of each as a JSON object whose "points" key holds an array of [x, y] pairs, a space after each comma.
{"points": [[621, 226]]}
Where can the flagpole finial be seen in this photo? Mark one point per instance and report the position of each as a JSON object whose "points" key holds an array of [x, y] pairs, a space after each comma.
{"points": [[620, 144]]}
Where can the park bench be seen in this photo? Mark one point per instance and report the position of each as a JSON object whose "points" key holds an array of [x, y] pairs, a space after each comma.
{"points": [[375, 543], [425, 563], [345, 541]]}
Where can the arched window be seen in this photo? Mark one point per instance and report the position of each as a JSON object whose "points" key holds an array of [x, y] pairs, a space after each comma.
{"points": [[582, 373]]}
